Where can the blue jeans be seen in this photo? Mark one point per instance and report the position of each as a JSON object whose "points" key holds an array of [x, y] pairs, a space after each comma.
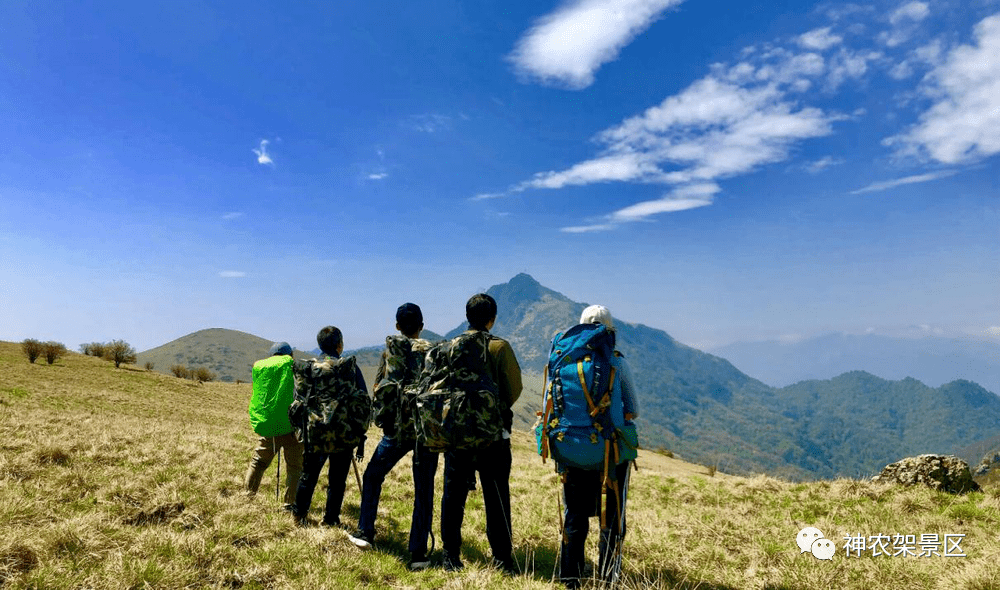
{"points": [[493, 464], [388, 452]]}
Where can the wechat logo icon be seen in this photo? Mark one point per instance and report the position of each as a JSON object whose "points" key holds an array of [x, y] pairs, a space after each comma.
{"points": [[811, 540]]}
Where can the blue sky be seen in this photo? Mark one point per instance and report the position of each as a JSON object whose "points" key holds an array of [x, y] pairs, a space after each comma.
{"points": [[721, 170]]}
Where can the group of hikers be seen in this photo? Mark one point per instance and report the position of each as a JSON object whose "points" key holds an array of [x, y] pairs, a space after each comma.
{"points": [[454, 398]]}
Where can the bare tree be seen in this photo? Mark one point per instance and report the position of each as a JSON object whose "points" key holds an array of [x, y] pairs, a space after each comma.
{"points": [[32, 349], [119, 351], [53, 351]]}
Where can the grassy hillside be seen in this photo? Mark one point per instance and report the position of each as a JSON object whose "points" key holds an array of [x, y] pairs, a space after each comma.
{"points": [[131, 479]]}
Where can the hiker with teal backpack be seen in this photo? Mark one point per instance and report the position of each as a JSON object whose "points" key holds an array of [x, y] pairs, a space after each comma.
{"points": [[398, 370], [468, 387], [273, 390], [586, 426], [331, 413]]}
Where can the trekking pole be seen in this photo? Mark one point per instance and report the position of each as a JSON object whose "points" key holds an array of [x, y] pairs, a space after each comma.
{"points": [[277, 477], [562, 540], [357, 475]]}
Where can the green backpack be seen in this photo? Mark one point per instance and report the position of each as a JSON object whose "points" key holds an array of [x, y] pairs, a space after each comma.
{"points": [[330, 413], [273, 391], [457, 401], [395, 394]]}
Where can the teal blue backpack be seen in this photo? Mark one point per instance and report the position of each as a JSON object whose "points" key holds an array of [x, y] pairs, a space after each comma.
{"points": [[582, 423]]}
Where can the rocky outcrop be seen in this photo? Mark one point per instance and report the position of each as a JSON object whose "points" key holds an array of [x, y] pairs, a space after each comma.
{"points": [[989, 463], [946, 473]]}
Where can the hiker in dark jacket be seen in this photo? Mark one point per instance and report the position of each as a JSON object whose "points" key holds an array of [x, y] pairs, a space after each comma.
{"points": [[273, 388], [492, 462], [582, 488], [393, 447], [331, 343]]}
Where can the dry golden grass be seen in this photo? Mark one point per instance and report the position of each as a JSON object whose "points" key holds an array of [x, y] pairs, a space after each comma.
{"points": [[132, 479]]}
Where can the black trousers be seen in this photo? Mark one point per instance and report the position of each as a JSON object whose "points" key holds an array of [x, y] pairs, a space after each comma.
{"points": [[493, 464], [582, 500], [312, 465]]}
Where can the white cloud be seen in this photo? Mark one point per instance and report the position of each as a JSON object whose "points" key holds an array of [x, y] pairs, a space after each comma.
{"points": [[819, 39], [817, 166], [689, 197], [963, 124], [262, 156], [993, 331], [914, 11], [232, 215], [377, 176], [232, 274], [916, 179], [567, 46], [429, 123]]}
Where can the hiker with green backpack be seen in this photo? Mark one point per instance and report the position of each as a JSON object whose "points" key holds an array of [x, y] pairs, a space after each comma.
{"points": [[273, 390], [586, 426], [331, 413], [398, 371], [468, 387]]}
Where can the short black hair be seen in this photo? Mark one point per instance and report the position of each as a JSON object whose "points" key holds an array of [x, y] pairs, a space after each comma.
{"points": [[409, 318], [480, 310], [329, 339]]}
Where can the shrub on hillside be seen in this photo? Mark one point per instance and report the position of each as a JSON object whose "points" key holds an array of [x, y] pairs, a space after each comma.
{"points": [[97, 349], [201, 375], [32, 349], [119, 351], [180, 371], [149, 366], [53, 351]]}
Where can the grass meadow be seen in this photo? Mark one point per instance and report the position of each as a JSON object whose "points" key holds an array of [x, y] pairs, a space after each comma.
{"points": [[132, 479]]}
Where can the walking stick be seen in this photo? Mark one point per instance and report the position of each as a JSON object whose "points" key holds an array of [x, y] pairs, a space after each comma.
{"points": [[357, 475], [277, 477]]}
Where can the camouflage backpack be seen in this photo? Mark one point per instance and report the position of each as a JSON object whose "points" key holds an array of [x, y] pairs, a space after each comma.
{"points": [[330, 413], [458, 402], [395, 394]]}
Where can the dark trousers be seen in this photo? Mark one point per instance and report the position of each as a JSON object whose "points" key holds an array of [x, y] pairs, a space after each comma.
{"points": [[582, 499], [312, 464], [493, 464], [388, 452]]}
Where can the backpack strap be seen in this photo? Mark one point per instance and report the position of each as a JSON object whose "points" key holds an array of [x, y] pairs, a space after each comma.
{"points": [[545, 413], [586, 391]]}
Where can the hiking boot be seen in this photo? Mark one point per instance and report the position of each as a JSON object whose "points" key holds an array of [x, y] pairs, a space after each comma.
{"points": [[361, 540], [452, 563], [331, 523], [300, 521], [419, 563], [507, 566]]}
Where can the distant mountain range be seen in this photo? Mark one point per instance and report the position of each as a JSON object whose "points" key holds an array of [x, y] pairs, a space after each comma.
{"points": [[931, 359], [706, 410]]}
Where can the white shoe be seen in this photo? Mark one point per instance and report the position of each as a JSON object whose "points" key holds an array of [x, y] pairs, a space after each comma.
{"points": [[360, 541]]}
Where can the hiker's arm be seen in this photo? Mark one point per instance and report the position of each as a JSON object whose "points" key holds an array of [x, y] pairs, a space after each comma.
{"points": [[509, 373], [630, 404], [380, 372], [359, 379]]}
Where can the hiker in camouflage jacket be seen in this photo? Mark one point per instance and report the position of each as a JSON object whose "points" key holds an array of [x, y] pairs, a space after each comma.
{"points": [[492, 461], [393, 447], [331, 343]]}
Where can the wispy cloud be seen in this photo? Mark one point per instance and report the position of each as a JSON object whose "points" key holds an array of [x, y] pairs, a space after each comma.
{"points": [[262, 156], [232, 215], [681, 199], [429, 122], [915, 179], [817, 166], [567, 46], [993, 331], [963, 124], [904, 21], [378, 175], [232, 274]]}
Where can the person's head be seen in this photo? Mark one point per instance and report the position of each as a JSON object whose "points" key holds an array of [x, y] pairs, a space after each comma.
{"points": [[280, 348], [481, 311], [330, 341], [409, 320], [598, 314]]}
